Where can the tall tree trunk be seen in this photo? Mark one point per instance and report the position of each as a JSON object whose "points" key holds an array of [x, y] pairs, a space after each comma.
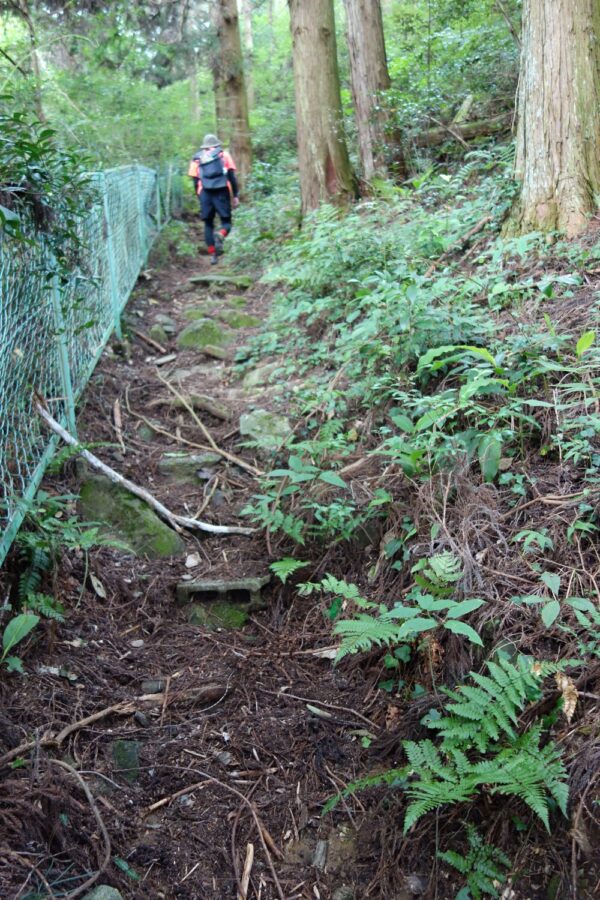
{"points": [[558, 133], [370, 76], [232, 74], [325, 170], [245, 7]]}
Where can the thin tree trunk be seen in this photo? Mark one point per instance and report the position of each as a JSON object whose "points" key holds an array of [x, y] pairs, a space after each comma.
{"points": [[558, 133], [369, 75], [248, 35], [325, 170], [232, 73], [194, 92]]}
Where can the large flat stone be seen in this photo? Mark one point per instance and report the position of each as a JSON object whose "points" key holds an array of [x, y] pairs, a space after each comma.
{"points": [[238, 590], [127, 519], [184, 466]]}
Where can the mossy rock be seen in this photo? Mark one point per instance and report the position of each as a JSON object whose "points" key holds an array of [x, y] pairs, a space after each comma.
{"points": [[126, 759], [194, 313], [236, 302], [214, 352], [269, 430], [258, 376], [239, 281], [239, 319], [218, 614], [184, 466], [103, 892], [158, 334], [128, 519], [203, 333]]}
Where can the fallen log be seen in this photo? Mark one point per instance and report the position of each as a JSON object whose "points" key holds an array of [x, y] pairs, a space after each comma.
{"points": [[463, 132]]}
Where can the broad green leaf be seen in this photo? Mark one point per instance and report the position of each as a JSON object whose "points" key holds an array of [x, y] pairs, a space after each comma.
{"points": [[14, 664], [17, 629], [464, 607], [332, 478], [415, 626], [490, 452], [458, 627], [585, 342], [550, 612], [551, 581]]}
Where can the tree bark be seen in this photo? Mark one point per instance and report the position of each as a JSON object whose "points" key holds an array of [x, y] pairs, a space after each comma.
{"points": [[232, 76], [370, 76], [558, 132], [325, 170]]}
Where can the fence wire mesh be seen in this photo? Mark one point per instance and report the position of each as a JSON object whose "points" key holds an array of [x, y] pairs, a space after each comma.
{"points": [[52, 334]]}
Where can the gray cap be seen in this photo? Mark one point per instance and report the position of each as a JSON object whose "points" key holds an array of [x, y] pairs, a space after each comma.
{"points": [[210, 140]]}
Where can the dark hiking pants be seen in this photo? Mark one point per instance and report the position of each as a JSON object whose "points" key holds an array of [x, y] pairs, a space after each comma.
{"points": [[212, 203]]}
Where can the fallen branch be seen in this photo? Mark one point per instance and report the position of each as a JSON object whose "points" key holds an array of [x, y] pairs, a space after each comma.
{"points": [[459, 243], [213, 444], [466, 132], [150, 341], [118, 420], [175, 521], [52, 740]]}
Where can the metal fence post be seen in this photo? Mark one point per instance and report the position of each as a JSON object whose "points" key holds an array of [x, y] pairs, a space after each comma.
{"points": [[112, 266], [158, 202], [63, 356], [141, 215]]}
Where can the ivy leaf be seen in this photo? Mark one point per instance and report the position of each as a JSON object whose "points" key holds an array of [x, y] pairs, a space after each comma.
{"points": [[457, 627], [550, 612]]}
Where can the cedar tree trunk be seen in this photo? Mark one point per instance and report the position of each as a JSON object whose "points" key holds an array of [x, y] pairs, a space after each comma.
{"points": [[558, 133], [369, 74], [325, 170], [246, 12], [232, 75]]}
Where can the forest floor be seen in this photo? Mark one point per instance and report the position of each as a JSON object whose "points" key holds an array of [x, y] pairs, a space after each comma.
{"points": [[248, 728]]}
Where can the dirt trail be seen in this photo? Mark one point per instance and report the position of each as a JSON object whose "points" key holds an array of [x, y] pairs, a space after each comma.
{"points": [[229, 745]]}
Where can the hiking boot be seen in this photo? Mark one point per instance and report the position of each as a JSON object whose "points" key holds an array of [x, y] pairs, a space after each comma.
{"points": [[213, 259], [218, 245]]}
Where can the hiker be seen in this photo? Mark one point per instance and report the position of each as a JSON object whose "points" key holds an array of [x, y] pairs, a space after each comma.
{"points": [[216, 184]]}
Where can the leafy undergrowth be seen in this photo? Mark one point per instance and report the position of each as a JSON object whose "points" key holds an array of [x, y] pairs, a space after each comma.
{"points": [[442, 480]]}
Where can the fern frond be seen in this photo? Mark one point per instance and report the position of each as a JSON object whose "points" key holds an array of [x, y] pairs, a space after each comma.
{"points": [[363, 633]]}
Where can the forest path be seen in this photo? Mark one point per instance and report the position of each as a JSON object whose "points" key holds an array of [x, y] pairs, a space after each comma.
{"points": [[223, 742]]}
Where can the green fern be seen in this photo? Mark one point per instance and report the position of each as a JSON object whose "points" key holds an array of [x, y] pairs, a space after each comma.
{"points": [[484, 865], [438, 574], [481, 721], [482, 715], [283, 568], [361, 634]]}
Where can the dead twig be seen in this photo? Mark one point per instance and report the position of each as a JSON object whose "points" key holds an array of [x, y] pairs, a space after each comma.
{"points": [[213, 444], [459, 243], [176, 522], [243, 894], [118, 424], [346, 709], [150, 341]]}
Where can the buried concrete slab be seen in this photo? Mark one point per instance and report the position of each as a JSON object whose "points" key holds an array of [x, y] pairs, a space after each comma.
{"points": [[127, 519], [239, 590]]}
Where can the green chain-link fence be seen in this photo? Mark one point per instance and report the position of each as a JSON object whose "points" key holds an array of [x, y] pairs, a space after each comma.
{"points": [[52, 333]]}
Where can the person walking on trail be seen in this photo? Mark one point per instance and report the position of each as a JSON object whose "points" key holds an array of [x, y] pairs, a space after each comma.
{"points": [[215, 180]]}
